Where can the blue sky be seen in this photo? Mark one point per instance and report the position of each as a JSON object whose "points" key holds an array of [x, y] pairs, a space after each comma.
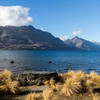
{"points": [[63, 17]]}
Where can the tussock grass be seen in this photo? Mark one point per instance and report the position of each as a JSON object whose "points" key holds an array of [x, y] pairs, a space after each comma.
{"points": [[48, 94], [71, 86], [52, 82], [7, 84], [74, 85], [33, 96]]}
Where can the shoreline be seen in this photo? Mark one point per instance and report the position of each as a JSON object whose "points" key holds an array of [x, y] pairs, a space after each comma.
{"points": [[72, 85]]}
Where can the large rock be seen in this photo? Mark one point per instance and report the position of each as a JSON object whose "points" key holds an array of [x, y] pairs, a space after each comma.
{"points": [[34, 78]]}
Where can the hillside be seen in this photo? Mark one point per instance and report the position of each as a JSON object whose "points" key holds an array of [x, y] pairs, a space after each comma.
{"points": [[28, 37], [82, 44]]}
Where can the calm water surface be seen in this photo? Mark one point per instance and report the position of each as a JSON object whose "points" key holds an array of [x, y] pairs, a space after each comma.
{"points": [[62, 61]]}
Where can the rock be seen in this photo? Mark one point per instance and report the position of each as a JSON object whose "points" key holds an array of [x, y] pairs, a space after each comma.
{"points": [[12, 62], [49, 62], [36, 78]]}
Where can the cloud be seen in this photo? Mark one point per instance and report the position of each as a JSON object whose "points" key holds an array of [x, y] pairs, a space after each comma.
{"points": [[63, 38], [76, 32], [14, 15]]}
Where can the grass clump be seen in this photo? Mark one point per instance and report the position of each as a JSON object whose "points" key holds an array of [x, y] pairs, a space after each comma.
{"points": [[71, 86], [33, 96], [48, 94], [77, 83], [7, 84]]}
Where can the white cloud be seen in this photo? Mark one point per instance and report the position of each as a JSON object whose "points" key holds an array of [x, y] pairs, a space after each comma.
{"points": [[76, 32], [14, 15], [63, 38]]}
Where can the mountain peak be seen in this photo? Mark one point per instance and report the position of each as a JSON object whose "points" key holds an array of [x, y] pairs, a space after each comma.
{"points": [[82, 44], [76, 37]]}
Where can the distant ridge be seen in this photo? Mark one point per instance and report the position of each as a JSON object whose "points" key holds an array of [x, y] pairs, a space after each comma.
{"points": [[28, 37], [82, 44]]}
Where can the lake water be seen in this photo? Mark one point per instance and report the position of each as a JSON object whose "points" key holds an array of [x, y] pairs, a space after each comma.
{"points": [[62, 61]]}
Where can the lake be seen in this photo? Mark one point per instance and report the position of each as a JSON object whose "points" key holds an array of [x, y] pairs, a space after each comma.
{"points": [[60, 61]]}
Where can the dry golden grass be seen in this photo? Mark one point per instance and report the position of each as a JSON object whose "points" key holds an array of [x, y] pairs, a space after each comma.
{"points": [[71, 86], [33, 96], [47, 82], [69, 89], [7, 85], [58, 87], [52, 82], [51, 94], [93, 81], [77, 83], [69, 74], [80, 75], [48, 94], [77, 80], [96, 96], [74, 82]]}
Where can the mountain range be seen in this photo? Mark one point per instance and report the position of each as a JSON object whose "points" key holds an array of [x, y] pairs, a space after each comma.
{"points": [[82, 44], [28, 37]]}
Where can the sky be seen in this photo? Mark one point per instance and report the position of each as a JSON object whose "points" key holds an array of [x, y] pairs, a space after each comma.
{"points": [[62, 18]]}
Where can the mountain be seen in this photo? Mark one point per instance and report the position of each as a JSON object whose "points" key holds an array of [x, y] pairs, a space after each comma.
{"points": [[28, 37], [97, 43], [82, 44]]}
